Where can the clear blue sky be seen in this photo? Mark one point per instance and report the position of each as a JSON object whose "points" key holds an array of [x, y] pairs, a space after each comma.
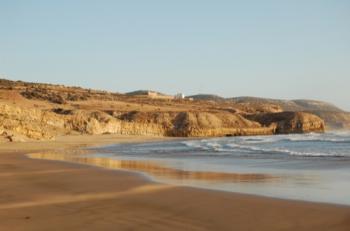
{"points": [[279, 49]]}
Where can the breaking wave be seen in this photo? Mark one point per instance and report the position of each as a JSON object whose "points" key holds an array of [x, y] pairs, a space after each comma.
{"points": [[307, 145]]}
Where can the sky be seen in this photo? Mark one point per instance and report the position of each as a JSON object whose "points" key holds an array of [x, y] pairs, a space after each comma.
{"points": [[277, 49]]}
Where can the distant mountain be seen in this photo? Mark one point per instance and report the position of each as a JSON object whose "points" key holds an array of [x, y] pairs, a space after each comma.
{"points": [[314, 105], [286, 105], [290, 105]]}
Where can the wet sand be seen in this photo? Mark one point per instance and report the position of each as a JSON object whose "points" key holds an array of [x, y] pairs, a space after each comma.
{"points": [[52, 195], [151, 168]]}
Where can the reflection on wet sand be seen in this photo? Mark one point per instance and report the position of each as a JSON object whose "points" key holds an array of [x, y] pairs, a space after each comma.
{"points": [[154, 169]]}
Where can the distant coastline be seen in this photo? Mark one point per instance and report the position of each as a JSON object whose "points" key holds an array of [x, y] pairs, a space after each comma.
{"points": [[34, 111]]}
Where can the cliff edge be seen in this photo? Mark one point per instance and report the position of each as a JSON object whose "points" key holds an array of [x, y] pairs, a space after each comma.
{"points": [[43, 111]]}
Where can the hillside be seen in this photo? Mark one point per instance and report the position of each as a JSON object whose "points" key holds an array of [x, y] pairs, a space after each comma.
{"points": [[44, 111], [290, 105], [334, 117]]}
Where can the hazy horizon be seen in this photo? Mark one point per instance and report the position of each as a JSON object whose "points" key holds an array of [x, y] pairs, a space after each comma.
{"points": [[270, 49]]}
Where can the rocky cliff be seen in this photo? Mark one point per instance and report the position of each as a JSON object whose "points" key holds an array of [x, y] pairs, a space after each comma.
{"points": [[42, 111], [290, 122], [18, 124], [334, 117]]}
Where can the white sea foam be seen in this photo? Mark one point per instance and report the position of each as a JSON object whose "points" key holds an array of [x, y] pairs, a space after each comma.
{"points": [[306, 163], [282, 145]]}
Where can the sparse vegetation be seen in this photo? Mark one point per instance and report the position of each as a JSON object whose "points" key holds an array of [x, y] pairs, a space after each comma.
{"points": [[43, 111]]}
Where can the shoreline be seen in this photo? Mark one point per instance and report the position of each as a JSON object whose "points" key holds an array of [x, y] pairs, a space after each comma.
{"points": [[154, 172], [109, 195], [153, 179]]}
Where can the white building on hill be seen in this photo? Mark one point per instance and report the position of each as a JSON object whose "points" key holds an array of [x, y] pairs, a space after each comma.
{"points": [[179, 96]]}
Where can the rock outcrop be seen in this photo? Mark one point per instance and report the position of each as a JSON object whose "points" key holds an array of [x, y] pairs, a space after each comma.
{"points": [[335, 120], [32, 111], [290, 122], [198, 124], [334, 117], [18, 124]]}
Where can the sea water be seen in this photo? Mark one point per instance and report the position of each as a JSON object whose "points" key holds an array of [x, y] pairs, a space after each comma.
{"points": [[310, 167]]}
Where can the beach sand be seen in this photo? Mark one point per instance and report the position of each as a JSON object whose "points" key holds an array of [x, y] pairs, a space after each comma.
{"points": [[52, 195]]}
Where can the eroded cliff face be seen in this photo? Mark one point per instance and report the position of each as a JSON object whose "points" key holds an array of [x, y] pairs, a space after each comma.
{"points": [[198, 124], [335, 120], [43, 111], [290, 122], [32, 111], [20, 124]]}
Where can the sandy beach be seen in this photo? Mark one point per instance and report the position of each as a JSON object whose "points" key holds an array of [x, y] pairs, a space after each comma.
{"points": [[53, 195], [174, 115]]}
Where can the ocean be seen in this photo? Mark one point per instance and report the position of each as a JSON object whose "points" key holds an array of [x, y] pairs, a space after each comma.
{"points": [[309, 167]]}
